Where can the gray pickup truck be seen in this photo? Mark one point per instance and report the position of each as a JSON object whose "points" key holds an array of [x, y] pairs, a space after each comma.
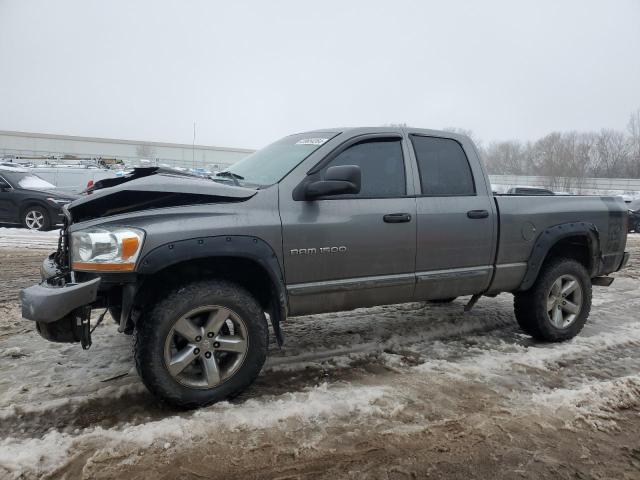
{"points": [[316, 222]]}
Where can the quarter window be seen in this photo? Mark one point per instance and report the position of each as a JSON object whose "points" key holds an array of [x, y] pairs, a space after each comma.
{"points": [[382, 165], [444, 168]]}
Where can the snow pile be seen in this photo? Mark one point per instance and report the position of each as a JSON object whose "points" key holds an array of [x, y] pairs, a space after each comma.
{"points": [[24, 238], [597, 405], [321, 404], [494, 357]]}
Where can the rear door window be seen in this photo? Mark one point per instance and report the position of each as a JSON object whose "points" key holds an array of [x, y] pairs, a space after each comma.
{"points": [[443, 166]]}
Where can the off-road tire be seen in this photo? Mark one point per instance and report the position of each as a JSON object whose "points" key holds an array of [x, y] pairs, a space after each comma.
{"points": [[46, 221], [530, 306], [154, 326]]}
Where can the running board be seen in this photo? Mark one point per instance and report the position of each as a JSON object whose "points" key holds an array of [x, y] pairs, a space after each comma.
{"points": [[472, 301], [602, 281]]}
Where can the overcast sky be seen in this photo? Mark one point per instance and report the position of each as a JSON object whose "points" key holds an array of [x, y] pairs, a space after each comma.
{"points": [[250, 72]]}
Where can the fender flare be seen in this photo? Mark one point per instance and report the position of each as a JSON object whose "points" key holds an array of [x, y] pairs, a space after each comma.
{"points": [[552, 235], [248, 247]]}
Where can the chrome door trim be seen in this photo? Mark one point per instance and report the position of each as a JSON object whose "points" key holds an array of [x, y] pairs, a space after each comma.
{"points": [[348, 284], [447, 274]]}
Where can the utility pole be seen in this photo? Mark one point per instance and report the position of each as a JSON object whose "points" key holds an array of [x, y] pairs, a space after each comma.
{"points": [[193, 146]]}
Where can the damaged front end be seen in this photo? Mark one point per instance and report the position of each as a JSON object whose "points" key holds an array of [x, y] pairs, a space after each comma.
{"points": [[96, 266], [59, 305]]}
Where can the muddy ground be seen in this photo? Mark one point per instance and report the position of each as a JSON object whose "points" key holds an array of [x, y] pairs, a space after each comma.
{"points": [[402, 391]]}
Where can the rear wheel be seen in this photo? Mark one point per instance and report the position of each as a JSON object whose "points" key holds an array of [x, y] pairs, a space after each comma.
{"points": [[557, 306], [36, 218], [203, 343]]}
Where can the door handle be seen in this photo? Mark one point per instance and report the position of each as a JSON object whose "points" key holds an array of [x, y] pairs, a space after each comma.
{"points": [[397, 218], [478, 214]]}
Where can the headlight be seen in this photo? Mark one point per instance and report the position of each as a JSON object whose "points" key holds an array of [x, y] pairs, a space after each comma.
{"points": [[59, 201], [106, 249]]}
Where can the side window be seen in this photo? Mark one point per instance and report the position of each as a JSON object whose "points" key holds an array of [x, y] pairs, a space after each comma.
{"points": [[382, 166], [444, 168]]}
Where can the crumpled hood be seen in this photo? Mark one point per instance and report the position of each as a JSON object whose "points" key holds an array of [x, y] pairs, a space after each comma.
{"points": [[154, 191]]}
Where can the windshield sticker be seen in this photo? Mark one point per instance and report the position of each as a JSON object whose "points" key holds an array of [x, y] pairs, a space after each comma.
{"points": [[311, 141]]}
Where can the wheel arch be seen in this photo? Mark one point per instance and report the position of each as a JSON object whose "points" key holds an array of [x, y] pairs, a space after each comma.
{"points": [[577, 240], [246, 260], [31, 202]]}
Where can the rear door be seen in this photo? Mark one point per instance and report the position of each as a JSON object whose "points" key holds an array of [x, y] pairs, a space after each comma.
{"points": [[349, 251], [456, 219]]}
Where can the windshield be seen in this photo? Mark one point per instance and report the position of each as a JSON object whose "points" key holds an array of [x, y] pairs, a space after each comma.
{"points": [[33, 182], [272, 163]]}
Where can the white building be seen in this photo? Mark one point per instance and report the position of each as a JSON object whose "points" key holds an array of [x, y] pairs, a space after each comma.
{"points": [[22, 145]]}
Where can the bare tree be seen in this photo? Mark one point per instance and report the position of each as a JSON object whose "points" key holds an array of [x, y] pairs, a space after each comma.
{"points": [[633, 127]]}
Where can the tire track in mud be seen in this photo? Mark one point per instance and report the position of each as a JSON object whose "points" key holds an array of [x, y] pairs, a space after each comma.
{"points": [[373, 361], [110, 408]]}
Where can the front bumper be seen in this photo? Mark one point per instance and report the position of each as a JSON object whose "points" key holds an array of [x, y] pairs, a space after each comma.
{"points": [[45, 303]]}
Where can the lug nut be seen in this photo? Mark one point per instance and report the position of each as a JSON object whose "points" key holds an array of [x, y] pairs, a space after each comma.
{"points": [[207, 354], [198, 338], [210, 334], [216, 345], [196, 351]]}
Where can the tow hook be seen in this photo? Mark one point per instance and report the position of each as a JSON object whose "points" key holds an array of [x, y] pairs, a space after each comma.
{"points": [[82, 319], [83, 322]]}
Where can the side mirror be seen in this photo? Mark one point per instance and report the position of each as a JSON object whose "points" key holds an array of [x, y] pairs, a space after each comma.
{"points": [[339, 180]]}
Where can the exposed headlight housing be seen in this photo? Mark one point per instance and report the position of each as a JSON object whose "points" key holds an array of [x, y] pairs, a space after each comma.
{"points": [[106, 249]]}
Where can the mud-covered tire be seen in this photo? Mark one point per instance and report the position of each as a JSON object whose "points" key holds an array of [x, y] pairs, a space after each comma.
{"points": [[36, 218], [443, 300], [156, 325], [531, 306]]}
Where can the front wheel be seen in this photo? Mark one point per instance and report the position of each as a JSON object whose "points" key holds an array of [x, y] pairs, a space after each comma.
{"points": [[557, 306], [202, 343]]}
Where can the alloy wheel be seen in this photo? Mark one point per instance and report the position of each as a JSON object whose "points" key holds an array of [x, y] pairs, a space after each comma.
{"points": [[206, 347], [564, 301], [34, 220]]}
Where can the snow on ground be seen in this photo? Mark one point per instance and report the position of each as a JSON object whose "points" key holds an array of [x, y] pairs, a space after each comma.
{"points": [[24, 238], [417, 389]]}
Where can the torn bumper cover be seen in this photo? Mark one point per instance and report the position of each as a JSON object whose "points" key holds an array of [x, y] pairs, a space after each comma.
{"points": [[46, 304]]}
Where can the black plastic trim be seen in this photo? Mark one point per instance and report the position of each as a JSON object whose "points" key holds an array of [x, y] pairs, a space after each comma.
{"points": [[248, 247], [547, 239]]}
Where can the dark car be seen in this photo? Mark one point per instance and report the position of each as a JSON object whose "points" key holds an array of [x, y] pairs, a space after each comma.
{"points": [[29, 200]]}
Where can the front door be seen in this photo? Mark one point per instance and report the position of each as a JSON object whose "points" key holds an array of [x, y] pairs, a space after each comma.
{"points": [[356, 250]]}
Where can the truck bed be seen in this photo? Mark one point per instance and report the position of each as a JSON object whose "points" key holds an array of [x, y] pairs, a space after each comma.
{"points": [[523, 219]]}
